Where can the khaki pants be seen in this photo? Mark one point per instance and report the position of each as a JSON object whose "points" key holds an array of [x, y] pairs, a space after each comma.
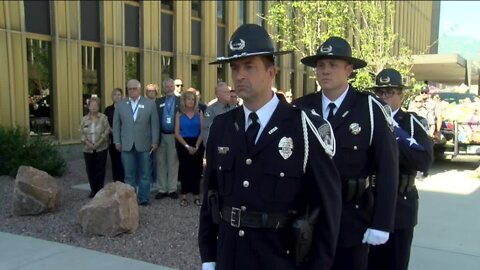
{"points": [[167, 164]]}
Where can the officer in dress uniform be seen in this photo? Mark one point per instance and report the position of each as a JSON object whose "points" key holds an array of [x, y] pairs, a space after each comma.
{"points": [[266, 162], [365, 150], [415, 154]]}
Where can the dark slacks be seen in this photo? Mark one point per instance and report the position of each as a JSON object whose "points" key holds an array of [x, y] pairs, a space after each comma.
{"points": [[118, 172], [190, 167], [351, 258], [95, 164], [393, 255]]}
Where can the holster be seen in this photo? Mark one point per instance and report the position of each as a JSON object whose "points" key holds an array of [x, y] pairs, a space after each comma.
{"points": [[405, 183], [303, 235], [214, 206], [355, 188]]}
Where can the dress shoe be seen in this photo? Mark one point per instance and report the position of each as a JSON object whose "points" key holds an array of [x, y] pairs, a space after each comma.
{"points": [[173, 195], [160, 195], [91, 195], [144, 203]]}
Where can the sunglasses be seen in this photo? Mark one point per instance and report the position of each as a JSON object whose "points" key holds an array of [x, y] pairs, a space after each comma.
{"points": [[179, 85]]}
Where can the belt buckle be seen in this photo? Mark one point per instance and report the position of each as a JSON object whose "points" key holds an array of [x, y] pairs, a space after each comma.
{"points": [[235, 217]]}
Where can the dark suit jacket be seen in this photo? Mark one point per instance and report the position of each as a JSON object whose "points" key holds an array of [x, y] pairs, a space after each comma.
{"points": [[356, 158], [274, 185], [411, 161]]}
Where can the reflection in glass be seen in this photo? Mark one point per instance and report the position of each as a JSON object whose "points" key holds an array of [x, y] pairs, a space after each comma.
{"points": [[167, 67], [220, 11], [196, 74], [39, 86], [132, 66], [242, 8], [221, 74], [196, 8], [90, 75]]}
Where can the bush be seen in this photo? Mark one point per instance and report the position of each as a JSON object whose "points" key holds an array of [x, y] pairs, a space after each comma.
{"points": [[18, 148]]}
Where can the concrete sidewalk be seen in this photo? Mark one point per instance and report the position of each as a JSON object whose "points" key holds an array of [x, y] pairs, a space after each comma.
{"points": [[27, 253]]}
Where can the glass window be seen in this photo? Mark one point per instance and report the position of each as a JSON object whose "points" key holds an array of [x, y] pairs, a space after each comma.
{"points": [[196, 37], [261, 13], [37, 16], [167, 32], [242, 14], [132, 26], [220, 11], [196, 8], [292, 82], [167, 67], [167, 4], [196, 74], [221, 72], [90, 75], [132, 66], [221, 42], [90, 17], [40, 86]]}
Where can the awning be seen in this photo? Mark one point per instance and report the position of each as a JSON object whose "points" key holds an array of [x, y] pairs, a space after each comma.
{"points": [[442, 68]]}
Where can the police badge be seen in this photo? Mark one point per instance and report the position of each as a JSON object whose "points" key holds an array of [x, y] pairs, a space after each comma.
{"points": [[285, 147], [355, 128]]}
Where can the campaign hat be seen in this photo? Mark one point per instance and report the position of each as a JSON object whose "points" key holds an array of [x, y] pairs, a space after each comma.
{"points": [[247, 41], [334, 48]]}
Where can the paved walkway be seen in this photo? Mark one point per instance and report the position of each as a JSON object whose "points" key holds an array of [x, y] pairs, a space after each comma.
{"points": [[27, 253]]}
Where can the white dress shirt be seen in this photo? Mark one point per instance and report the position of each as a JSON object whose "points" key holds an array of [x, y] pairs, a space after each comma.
{"points": [[264, 114]]}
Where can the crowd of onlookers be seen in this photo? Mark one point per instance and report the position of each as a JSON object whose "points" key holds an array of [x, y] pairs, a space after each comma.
{"points": [[156, 140]]}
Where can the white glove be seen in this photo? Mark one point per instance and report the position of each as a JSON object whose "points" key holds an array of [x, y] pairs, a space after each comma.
{"points": [[375, 237], [208, 266]]}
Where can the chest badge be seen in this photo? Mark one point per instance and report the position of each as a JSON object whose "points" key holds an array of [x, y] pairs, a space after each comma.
{"points": [[285, 147], [355, 128], [223, 150]]}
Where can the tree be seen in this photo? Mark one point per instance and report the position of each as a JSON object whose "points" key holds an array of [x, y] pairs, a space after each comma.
{"points": [[304, 25]]}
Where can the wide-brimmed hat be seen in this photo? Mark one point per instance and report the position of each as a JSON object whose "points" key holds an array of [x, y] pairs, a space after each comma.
{"points": [[248, 40], [389, 78], [336, 48]]}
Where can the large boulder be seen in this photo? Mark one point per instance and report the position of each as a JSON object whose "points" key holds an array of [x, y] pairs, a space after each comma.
{"points": [[35, 192], [113, 210]]}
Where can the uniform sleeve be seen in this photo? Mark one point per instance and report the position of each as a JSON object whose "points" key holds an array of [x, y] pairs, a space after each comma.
{"points": [[324, 192], [207, 122], [416, 159], [208, 231], [386, 169]]}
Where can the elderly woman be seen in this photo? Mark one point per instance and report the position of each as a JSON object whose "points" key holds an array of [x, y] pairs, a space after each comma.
{"points": [[118, 173], [94, 130], [188, 132]]}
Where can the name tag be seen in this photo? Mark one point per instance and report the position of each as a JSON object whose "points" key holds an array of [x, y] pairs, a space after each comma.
{"points": [[141, 106], [168, 120], [162, 105]]}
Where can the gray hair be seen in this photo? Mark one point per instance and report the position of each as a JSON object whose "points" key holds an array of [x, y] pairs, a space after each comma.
{"points": [[220, 84], [134, 82], [166, 80]]}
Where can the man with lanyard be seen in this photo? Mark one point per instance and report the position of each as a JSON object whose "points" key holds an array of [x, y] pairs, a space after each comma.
{"points": [[415, 154], [366, 152], [167, 159], [266, 166]]}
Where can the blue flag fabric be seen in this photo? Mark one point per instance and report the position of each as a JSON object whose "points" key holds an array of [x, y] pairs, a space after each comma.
{"points": [[404, 138]]}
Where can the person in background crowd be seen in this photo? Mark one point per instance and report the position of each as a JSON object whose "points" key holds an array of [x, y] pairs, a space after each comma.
{"points": [[234, 99], [135, 133], [366, 148], [265, 168], [415, 154], [118, 173], [222, 105], [167, 158], [151, 92], [188, 132], [289, 96], [94, 130], [202, 106], [178, 87]]}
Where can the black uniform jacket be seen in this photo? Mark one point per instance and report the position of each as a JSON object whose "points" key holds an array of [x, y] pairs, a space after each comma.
{"points": [[267, 182], [411, 161], [356, 158]]}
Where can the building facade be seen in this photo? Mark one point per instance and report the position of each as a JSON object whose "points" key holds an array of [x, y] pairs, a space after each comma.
{"points": [[57, 54]]}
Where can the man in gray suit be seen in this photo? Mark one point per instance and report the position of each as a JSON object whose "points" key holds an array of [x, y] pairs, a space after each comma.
{"points": [[136, 133]]}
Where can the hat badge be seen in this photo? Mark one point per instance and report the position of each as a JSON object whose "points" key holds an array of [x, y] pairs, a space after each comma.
{"points": [[355, 128], [324, 49], [385, 80], [237, 46]]}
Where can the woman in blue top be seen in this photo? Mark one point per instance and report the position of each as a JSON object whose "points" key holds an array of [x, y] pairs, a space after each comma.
{"points": [[190, 150]]}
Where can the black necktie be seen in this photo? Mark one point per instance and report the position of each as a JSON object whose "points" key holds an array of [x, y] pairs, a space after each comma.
{"points": [[252, 131], [332, 107]]}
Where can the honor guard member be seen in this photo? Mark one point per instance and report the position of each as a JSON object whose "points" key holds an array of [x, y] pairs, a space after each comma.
{"points": [[222, 105], [366, 150], [266, 162], [415, 154]]}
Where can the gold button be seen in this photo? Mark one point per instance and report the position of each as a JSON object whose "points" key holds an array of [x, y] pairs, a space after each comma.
{"points": [[244, 208], [219, 168], [241, 233], [282, 174], [248, 161], [355, 147], [246, 184]]}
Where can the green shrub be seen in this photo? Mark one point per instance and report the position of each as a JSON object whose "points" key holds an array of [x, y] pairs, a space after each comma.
{"points": [[18, 148]]}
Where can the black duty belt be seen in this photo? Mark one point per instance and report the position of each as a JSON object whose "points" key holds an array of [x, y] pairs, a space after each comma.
{"points": [[405, 183], [236, 217], [354, 188]]}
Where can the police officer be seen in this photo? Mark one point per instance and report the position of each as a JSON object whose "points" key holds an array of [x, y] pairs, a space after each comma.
{"points": [[222, 105], [415, 154], [365, 149], [266, 162]]}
